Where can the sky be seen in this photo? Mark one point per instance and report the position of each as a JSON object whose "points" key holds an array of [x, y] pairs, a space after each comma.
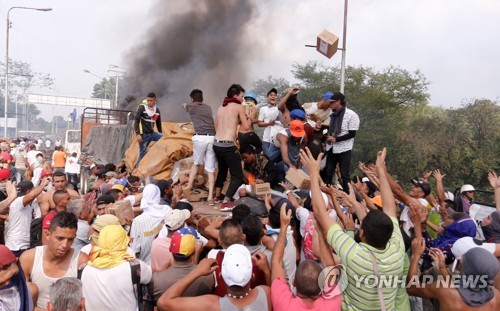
{"points": [[453, 43]]}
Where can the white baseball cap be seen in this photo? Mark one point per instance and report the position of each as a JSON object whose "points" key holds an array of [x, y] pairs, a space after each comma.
{"points": [[463, 245], [237, 265], [176, 218]]}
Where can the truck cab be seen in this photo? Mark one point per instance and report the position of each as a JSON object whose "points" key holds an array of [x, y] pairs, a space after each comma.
{"points": [[72, 141]]}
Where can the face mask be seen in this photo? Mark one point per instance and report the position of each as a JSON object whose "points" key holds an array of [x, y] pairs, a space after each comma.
{"points": [[39, 160]]}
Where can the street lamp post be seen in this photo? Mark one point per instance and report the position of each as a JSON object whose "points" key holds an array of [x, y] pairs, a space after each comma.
{"points": [[90, 72], [6, 91], [112, 69], [342, 66]]}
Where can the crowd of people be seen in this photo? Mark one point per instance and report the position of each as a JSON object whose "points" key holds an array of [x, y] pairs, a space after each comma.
{"points": [[360, 243]]}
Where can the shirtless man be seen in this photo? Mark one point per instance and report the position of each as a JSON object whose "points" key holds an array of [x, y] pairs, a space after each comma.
{"points": [[477, 264], [59, 182], [287, 103], [229, 116], [46, 264]]}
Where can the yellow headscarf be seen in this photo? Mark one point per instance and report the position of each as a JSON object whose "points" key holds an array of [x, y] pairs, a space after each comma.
{"points": [[112, 248]]}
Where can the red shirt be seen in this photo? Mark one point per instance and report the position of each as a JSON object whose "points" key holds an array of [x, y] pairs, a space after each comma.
{"points": [[283, 299]]}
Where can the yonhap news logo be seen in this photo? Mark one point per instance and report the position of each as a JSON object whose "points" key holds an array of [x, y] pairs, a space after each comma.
{"points": [[333, 281]]}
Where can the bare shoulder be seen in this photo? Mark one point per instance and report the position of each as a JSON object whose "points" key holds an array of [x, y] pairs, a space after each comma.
{"points": [[73, 193], [27, 259]]}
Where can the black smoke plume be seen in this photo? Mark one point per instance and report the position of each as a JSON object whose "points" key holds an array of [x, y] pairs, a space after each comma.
{"points": [[192, 44]]}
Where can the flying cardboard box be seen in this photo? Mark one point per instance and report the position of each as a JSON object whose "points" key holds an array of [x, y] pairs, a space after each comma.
{"points": [[298, 178], [327, 43]]}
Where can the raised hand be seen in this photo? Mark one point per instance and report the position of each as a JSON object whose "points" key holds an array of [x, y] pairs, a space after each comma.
{"points": [[494, 180], [307, 159], [426, 175], [285, 216], [438, 257], [206, 266], [437, 175], [418, 246]]}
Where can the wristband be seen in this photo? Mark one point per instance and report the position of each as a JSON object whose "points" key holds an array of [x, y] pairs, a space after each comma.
{"points": [[287, 192]]}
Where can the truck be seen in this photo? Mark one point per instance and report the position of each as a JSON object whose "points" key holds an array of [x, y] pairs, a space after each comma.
{"points": [[72, 141], [104, 136]]}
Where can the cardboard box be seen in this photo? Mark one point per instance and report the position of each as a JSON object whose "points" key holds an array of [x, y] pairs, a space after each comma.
{"points": [[186, 164], [123, 211], [261, 189], [298, 178], [195, 195], [327, 43]]}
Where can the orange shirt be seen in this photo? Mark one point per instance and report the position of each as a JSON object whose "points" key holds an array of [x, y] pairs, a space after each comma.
{"points": [[59, 159]]}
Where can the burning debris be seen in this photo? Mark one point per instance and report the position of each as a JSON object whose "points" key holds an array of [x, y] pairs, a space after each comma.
{"points": [[198, 44]]}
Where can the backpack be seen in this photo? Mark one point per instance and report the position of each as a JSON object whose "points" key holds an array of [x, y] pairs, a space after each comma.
{"points": [[36, 232]]}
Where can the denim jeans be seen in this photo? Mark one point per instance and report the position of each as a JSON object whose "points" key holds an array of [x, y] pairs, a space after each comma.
{"points": [[143, 146], [228, 158]]}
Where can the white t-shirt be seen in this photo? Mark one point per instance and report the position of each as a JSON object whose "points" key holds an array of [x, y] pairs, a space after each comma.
{"points": [[112, 289], [350, 122], [31, 156], [72, 166], [267, 114], [48, 143], [321, 114], [17, 227]]}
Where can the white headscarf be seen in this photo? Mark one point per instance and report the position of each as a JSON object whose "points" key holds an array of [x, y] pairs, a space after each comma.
{"points": [[150, 202]]}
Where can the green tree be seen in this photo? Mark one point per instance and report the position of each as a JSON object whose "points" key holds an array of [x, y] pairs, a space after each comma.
{"points": [[262, 86], [105, 89], [22, 78]]}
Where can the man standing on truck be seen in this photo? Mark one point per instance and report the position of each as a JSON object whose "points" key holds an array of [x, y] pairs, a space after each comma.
{"points": [[145, 118]]}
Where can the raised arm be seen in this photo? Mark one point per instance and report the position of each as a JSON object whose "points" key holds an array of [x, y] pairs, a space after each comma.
{"points": [[495, 184], [279, 246], [388, 203], [172, 298], [32, 194], [319, 207], [11, 196]]}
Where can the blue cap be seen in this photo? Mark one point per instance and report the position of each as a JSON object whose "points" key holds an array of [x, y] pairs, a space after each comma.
{"points": [[188, 230], [297, 114], [251, 95], [327, 95], [122, 181]]}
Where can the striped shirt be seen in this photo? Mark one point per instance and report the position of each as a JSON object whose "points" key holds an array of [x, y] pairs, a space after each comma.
{"points": [[143, 231], [360, 293]]}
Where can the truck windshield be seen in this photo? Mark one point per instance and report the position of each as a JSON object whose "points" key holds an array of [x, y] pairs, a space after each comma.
{"points": [[73, 136]]}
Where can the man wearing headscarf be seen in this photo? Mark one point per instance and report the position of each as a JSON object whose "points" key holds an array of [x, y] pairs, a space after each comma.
{"points": [[14, 291], [473, 290], [146, 226], [107, 279]]}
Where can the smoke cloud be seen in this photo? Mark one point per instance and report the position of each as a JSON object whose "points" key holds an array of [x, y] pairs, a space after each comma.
{"points": [[192, 44]]}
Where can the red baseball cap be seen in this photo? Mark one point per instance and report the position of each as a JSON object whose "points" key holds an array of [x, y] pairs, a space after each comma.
{"points": [[47, 219], [4, 174], [6, 256]]}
